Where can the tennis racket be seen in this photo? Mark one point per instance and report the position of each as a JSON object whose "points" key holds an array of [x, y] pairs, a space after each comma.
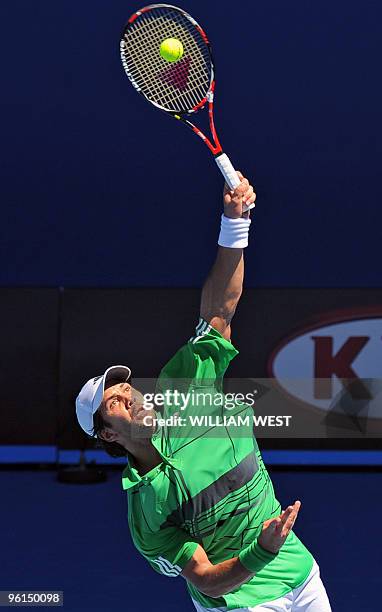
{"points": [[181, 87]]}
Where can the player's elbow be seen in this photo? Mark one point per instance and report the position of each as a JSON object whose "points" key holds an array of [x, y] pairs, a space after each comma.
{"points": [[230, 302], [223, 310], [231, 299]]}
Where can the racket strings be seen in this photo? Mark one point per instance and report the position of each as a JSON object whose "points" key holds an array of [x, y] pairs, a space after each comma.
{"points": [[161, 27], [179, 86], [158, 76]]}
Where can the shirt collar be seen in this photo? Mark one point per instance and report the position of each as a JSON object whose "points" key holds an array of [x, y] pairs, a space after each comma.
{"points": [[131, 477]]}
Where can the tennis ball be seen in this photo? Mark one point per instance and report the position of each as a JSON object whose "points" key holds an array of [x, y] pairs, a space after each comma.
{"points": [[171, 49]]}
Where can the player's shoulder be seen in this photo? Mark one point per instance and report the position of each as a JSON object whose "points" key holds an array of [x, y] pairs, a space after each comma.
{"points": [[207, 354]]}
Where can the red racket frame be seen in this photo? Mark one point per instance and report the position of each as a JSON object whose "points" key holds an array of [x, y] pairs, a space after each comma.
{"points": [[223, 162], [215, 146]]}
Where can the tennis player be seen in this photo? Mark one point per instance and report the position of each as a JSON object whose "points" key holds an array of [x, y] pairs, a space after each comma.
{"points": [[200, 501]]}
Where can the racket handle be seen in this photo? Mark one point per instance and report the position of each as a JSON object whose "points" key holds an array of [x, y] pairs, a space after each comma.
{"points": [[230, 174]]}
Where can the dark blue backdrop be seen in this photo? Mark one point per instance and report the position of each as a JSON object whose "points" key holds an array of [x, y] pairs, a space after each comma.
{"points": [[101, 189]]}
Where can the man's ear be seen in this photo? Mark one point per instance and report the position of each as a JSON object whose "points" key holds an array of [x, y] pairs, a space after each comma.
{"points": [[108, 435]]}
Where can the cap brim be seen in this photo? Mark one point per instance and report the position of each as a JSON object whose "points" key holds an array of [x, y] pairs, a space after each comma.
{"points": [[120, 372]]}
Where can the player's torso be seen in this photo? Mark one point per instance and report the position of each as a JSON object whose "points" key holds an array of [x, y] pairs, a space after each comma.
{"points": [[220, 493]]}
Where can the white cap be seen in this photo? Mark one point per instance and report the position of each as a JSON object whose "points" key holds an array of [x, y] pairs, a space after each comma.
{"points": [[91, 394]]}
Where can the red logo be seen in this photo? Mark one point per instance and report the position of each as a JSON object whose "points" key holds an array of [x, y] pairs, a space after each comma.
{"points": [[342, 349]]}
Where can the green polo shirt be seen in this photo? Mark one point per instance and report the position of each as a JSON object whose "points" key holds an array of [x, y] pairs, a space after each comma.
{"points": [[211, 488]]}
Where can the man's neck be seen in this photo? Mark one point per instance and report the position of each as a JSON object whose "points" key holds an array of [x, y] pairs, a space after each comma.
{"points": [[146, 456]]}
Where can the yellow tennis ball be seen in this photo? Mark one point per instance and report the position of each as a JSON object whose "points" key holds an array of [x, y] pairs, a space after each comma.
{"points": [[171, 49]]}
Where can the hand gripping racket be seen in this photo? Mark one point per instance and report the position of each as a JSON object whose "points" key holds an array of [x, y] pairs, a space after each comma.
{"points": [[180, 87]]}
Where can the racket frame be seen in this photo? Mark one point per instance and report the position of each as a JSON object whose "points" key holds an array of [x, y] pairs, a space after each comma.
{"points": [[222, 160]]}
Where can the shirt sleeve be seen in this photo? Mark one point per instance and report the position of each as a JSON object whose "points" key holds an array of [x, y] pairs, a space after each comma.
{"points": [[168, 551], [205, 357]]}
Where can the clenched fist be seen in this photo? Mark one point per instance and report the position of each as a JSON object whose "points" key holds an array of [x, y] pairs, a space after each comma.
{"points": [[235, 200]]}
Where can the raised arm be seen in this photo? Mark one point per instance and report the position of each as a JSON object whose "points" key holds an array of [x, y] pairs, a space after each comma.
{"points": [[223, 287]]}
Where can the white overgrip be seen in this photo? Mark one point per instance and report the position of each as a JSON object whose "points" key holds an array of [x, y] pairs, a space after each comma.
{"points": [[230, 174]]}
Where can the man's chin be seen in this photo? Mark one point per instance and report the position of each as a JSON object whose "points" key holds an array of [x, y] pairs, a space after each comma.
{"points": [[142, 424]]}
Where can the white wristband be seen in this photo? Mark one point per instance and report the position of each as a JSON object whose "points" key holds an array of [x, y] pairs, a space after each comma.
{"points": [[234, 232]]}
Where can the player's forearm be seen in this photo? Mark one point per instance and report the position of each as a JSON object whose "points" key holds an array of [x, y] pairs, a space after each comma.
{"points": [[224, 285], [217, 580]]}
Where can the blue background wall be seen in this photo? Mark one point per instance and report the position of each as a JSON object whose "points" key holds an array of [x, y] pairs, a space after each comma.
{"points": [[100, 189]]}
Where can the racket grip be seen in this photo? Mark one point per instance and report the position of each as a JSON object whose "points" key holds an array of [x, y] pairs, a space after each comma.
{"points": [[230, 174]]}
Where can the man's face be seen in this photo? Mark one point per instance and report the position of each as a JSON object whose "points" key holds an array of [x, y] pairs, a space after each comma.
{"points": [[122, 408]]}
